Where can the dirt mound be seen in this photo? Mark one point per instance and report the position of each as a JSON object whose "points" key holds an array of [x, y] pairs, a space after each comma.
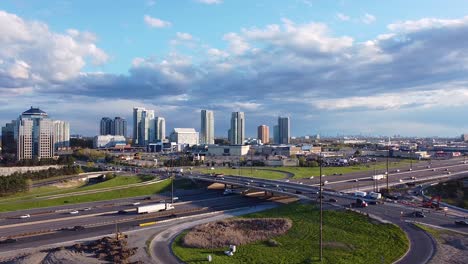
{"points": [[235, 232]]}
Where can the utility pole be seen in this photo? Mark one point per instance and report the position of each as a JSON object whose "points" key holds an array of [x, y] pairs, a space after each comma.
{"points": [[321, 209], [172, 180], [388, 172]]}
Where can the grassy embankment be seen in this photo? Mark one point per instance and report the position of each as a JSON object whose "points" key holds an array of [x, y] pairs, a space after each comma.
{"points": [[452, 192], [25, 201], [304, 172], [380, 167], [246, 171], [348, 238]]}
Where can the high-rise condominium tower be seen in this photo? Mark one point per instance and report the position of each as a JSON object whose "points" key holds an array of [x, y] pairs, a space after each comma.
{"points": [[263, 133], [284, 130], [106, 126], [237, 131], [207, 127], [160, 127]]}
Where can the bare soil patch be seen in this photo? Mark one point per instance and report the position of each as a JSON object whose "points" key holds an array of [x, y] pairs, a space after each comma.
{"points": [[451, 248], [235, 232]]}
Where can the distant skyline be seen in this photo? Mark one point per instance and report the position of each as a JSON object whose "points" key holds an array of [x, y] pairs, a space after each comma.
{"points": [[335, 67]]}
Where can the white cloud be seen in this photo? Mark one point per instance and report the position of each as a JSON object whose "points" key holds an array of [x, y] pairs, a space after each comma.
{"points": [[368, 18], [427, 23], [156, 22], [449, 96], [210, 2], [309, 37], [217, 53], [150, 2], [32, 53], [343, 17], [237, 44], [184, 36]]}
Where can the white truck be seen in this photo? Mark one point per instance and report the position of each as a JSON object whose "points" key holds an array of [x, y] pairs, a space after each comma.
{"points": [[378, 177], [360, 194], [375, 195], [151, 208]]}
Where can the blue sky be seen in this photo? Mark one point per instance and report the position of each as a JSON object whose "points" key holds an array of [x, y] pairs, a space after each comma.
{"points": [[336, 67]]}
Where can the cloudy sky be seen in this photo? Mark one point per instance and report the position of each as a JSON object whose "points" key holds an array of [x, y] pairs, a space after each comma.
{"points": [[335, 67]]}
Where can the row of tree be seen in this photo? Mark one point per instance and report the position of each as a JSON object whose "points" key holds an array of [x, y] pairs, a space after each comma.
{"points": [[12, 184], [21, 182]]}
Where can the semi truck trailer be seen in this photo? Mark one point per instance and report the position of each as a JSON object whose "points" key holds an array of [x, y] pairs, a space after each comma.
{"points": [[152, 208]]}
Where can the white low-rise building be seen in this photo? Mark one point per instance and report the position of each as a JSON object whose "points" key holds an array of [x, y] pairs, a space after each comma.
{"points": [[184, 136], [231, 150], [108, 141]]}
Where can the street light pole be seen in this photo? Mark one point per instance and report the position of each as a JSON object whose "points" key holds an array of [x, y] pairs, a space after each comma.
{"points": [[321, 209], [388, 172]]}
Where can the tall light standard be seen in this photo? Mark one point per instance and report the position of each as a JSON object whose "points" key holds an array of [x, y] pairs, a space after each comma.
{"points": [[321, 208], [388, 172]]}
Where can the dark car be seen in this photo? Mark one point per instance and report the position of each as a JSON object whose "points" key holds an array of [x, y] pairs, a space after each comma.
{"points": [[462, 222], [332, 200], [78, 228], [418, 214], [122, 212], [147, 198], [8, 241]]}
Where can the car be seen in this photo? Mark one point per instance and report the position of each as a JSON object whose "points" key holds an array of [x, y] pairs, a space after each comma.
{"points": [[25, 216], [8, 241], [264, 185], [397, 170], [147, 198], [356, 180], [74, 212], [301, 183], [433, 169], [247, 183], [78, 228], [418, 214], [448, 172], [325, 182], [462, 222], [87, 209], [410, 169], [136, 203], [311, 177], [446, 169], [121, 212], [428, 166], [332, 200], [286, 180]]}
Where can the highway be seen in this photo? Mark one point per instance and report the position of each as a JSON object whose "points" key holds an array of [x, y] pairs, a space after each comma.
{"points": [[102, 218]]}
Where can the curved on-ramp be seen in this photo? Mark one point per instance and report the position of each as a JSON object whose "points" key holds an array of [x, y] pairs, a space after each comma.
{"points": [[421, 247]]}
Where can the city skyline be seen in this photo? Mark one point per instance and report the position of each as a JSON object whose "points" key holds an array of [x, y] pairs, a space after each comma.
{"points": [[296, 59]]}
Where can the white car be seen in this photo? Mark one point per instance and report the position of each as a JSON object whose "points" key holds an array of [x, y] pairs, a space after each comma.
{"points": [[311, 177], [136, 203], [397, 170], [87, 209], [74, 212], [25, 216]]}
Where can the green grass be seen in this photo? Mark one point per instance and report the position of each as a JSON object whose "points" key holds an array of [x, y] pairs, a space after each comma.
{"points": [[102, 196], [348, 238], [246, 171], [304, 172], [452, 192], [307, 172], [24, 200]]}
